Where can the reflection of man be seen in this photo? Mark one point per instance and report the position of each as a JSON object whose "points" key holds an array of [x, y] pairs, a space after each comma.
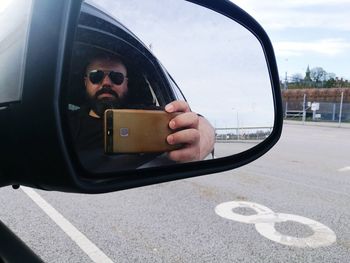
{"points": [[106, 85]]}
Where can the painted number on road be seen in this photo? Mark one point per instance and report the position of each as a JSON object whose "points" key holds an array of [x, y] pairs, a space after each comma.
{"points": [[265, 219]]}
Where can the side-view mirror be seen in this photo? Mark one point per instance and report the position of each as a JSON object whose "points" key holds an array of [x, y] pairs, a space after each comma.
{"points": [[84, 103]]}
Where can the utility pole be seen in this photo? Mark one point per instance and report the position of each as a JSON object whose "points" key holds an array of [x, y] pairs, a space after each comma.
{"points": [[286, 81], [237, 127], [341, 107]]}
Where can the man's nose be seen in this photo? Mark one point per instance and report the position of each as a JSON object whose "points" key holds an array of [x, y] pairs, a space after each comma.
{"points": [[106, 81]]}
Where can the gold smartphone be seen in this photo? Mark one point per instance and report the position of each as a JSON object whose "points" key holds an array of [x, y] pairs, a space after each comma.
{"points": [[137, 131]]}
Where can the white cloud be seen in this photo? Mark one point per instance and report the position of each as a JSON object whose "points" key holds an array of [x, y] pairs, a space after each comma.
{"points": [[313, 2], [283, 14], [288, 3], [290, 19], [330, 47]]}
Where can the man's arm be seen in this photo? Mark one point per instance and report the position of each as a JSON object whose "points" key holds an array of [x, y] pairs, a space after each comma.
{"points": [[195, 132], [207, 136]]}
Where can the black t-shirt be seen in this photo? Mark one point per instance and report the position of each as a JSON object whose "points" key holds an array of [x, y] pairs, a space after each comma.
{"points": [[87, 133]]}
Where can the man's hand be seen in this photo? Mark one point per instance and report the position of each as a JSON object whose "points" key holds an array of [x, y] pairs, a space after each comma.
{"points": [[191, 130]]}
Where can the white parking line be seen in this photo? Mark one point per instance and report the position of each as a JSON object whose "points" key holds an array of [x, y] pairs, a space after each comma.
{"points": [[345, 169], [265, 219], [79, 238]]}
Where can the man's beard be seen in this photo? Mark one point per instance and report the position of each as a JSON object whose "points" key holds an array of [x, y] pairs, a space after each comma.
{"points": [[100, 105]]}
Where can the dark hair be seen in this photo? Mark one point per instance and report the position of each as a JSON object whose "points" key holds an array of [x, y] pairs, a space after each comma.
{"points": [[106, 57]]}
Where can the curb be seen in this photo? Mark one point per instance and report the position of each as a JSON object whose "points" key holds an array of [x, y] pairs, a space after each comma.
{"points": [[320, 124]]}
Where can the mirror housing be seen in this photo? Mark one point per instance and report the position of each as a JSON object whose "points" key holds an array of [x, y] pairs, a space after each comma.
{"points": [[37, 150]]}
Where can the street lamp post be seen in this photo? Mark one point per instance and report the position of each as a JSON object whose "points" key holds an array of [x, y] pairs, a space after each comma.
{"points": [[237, 127]]}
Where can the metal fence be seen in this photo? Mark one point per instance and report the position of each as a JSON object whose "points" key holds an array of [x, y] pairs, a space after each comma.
{"points": [[306, 110], [236, 134]]}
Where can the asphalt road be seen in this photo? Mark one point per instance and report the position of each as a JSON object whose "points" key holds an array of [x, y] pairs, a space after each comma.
{"points": [[307, 174]]}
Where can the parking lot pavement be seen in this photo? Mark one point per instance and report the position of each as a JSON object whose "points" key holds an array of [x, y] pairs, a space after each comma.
{"points": [[291, 205]]}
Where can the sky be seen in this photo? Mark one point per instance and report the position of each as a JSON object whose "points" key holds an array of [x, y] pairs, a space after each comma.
{"points": [[306, 32]]}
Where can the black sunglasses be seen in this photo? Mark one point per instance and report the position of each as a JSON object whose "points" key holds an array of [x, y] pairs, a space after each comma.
{"points": [[96, 76]]}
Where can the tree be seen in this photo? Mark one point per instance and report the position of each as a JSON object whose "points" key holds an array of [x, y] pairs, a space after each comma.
{"points": [[330, 80], [318, 74], [331, 76], [317, 77], [330, 83], [296, 78]]}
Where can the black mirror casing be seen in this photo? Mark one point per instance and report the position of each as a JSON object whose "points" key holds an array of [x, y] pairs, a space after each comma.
{"points": [[32, 141], [36, 148]]}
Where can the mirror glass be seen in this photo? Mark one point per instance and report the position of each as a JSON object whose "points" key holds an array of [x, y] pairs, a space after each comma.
{"points": [[159, 52]]}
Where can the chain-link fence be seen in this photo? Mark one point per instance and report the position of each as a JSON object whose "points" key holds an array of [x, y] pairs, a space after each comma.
{"points": [[310, 107], [255, 134], [319, 111]]}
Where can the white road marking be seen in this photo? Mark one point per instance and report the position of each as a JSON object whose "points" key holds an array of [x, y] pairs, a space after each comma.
{"points": [[322, 236], [95, 254], [225, 210], [265, 219], [345, 169]]}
